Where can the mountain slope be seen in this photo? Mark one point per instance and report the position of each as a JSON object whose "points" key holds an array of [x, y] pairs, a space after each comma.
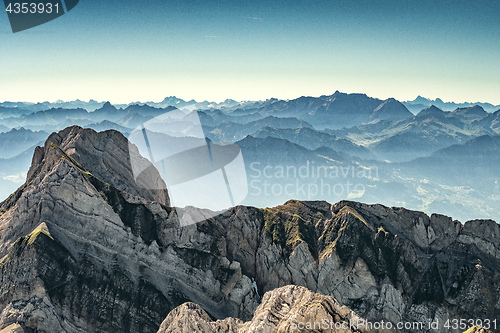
{"points": [[231, 132], [491, 121], [421, 103], [113, 236], [87, 249], [313, 139], [16, 141], [282, 310], [473, 163], [45, 118], [432, 129]]}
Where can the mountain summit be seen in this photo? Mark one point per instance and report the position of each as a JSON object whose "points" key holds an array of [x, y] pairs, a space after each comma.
{"points": [[85, 248], [337, 110]]}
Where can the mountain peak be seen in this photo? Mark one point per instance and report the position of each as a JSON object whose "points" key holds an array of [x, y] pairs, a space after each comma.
{"points": [[430, 110], [104, 155], [420, 99], [474, 111], [106, 107], [390, 109]]}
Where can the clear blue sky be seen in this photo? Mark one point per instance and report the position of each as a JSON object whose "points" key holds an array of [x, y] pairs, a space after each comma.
{"points": [[127, 51]]}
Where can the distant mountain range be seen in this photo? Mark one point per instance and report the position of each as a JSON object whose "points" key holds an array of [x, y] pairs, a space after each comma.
{"points": [[314, 139], [92, 105], [349, 131], [421, 103], [414, 106], [430, 130], [17, 141], [335, 111]]}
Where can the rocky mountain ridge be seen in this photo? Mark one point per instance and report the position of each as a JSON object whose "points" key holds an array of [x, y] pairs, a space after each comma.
{"points": [[285, 309], [85, 248]]}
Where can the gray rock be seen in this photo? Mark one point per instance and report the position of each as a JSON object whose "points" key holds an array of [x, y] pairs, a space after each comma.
{"points": [[285, 309]]}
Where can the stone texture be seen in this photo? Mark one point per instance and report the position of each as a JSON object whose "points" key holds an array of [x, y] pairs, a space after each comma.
{"points": [[282, 310], [191, 318]]}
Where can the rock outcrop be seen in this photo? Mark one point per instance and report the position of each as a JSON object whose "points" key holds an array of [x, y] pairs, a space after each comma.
{"points": [[285, 309], [85, 248], [384, 263]]}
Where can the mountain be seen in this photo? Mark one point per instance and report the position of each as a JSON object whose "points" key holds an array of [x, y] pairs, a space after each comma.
{"points": [[80, 236], [111, 113], [470, 113], [231, 132], [16, 108], [146, 110], [491, 121], [13, 171], [107, 125], [335, 111], [133, 120], [13, 111], [85, 247], [26, 108], [313, 139], [279, 170], [177, 102], [50, 117], [276, 151], [105, 117], [421, 103], [285, 309], [432, 129], [107, 112], [282, 310], [390, 109], [432, 111], [459, 180], [16, 141], [216, 118], [192, 104], [473, 162]]}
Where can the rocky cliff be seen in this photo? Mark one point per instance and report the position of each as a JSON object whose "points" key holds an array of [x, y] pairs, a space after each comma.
{"points": [[288, 309], [285, 309], [85, 248]]}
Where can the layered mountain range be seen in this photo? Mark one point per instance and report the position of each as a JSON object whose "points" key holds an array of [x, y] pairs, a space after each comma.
{"points": [[406, 155], [420, 103], [86, 247]]}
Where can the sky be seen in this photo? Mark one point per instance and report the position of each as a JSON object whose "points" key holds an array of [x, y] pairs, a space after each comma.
{"points": [[125, 51]]}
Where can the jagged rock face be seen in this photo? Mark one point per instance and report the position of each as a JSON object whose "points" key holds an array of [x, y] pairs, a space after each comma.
{"points": [[384, 263], [105, 155], [285, 309], [191, 318], [110, 256], [40, 278], [117, 259]]}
